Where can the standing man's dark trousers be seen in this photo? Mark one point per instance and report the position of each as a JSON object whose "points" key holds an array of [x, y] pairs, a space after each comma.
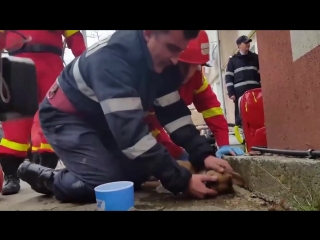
{"points": [[237, 112], [88, 162]]}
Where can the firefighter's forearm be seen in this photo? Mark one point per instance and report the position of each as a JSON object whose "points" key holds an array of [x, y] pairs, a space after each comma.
{"points": [[76, 43], [161, 136], [208, 104], [197, 146], [176, 119], [219, 127]]}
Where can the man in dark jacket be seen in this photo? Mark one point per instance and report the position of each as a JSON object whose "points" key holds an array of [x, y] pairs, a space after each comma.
{"points": [[242, 73], [94, 119]]}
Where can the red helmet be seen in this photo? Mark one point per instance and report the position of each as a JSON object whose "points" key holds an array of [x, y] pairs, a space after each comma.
{"points": [[197, 51]]}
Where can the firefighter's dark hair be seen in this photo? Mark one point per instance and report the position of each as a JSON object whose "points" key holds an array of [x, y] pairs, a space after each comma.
{"points": [[188, 34]]}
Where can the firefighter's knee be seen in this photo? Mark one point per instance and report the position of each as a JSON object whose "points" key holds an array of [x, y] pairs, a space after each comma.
{"points": [[68, 188]]}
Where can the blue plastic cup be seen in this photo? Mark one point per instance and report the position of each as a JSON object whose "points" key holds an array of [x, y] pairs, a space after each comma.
{"points": [[115, 196]]}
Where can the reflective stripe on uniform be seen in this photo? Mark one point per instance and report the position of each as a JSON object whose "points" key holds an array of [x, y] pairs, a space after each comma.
{"points": [[142, 146], [237, 134], [229, 84], [168, 99], [212, 112], [203, 87], [14, 145], [230, 73], [121, 104], [245, 68], [69, 33], [246, 83], [181, 122], [98, 45], [155, 133], [81, 84], [45, 146], [34, 149]]}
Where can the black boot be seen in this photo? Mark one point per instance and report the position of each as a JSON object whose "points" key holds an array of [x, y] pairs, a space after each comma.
{"points": [[38, 177], [49, 160], [10, 165]]}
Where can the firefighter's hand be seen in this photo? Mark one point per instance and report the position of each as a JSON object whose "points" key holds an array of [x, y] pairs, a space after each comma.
{"points": [[197, 187], [229, 150], [217, 164], [233, 97]]}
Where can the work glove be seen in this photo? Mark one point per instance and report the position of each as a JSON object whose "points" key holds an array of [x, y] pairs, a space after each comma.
{"points": [[229, 150], [184, 156]]}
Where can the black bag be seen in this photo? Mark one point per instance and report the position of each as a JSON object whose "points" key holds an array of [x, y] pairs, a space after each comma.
{"points": [[20, 77]]}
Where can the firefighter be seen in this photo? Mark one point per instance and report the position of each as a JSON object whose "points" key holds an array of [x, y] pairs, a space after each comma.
{"points": [[242, 73], [196, 89], [93, 119], [44, 47]]}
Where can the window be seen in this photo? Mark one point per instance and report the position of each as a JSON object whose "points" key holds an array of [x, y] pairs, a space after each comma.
{"points": [[212, 55]]}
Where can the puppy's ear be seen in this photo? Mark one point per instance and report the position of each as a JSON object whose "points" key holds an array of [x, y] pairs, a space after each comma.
{"points": [[237, 179]]}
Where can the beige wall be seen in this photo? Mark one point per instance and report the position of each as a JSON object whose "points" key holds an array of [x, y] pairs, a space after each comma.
{"points": [[227, 44]]}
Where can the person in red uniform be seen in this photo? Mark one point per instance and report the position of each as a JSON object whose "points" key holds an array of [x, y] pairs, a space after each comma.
{"points": [[196, 89], [44, 48]]}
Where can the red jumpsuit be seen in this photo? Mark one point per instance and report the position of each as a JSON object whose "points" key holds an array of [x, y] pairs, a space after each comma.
{"points": [[48, 66], [197, 91]]}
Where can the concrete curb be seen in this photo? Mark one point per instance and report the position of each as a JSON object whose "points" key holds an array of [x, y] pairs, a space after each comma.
{"points": [[274, 178]]}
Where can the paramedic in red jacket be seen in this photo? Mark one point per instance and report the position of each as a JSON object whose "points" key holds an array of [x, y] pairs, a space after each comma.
{"points": [[197, 90], [44, 48]]}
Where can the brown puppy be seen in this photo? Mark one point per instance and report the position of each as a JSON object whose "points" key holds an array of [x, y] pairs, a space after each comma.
{"points": [[223, 185]]}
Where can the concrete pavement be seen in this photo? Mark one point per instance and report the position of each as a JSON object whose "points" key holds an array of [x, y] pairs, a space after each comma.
{"points": [[146, 200]]}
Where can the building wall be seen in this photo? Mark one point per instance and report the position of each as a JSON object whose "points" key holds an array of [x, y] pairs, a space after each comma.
{"points": [[227, 44], [213, 71], [290, 68]]}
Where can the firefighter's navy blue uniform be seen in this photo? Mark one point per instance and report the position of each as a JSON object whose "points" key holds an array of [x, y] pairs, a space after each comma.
{"points": [[112, 86], [242, 74]]}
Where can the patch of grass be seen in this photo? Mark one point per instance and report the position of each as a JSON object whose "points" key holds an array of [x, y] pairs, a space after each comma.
{"points": [[311, 201]]}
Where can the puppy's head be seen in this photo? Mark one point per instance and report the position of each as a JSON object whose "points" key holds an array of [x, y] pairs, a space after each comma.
{"points": [[224, 183]]}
